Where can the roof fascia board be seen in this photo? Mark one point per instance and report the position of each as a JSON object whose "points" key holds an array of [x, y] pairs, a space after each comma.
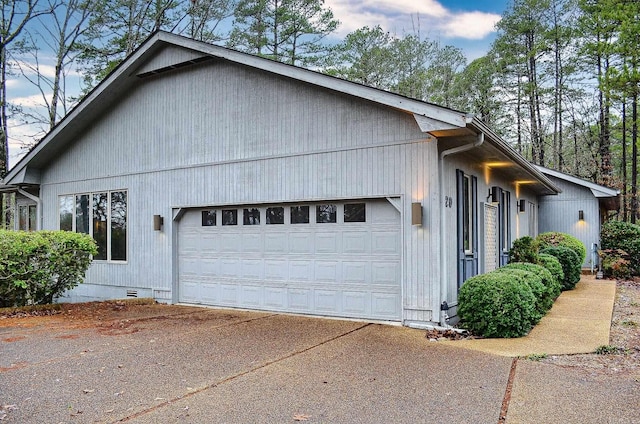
{"points": [[597, 189], [501, 145]]}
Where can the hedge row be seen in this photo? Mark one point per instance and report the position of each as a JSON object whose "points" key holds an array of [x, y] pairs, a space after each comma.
{"points": [[37, 267], [509, 301], [620, 249]]}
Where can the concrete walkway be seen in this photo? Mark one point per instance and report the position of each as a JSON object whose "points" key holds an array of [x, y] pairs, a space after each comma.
{"points": [[578, 322]]}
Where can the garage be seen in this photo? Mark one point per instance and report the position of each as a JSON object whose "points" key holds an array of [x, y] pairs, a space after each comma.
{"points": [[322, 258]]}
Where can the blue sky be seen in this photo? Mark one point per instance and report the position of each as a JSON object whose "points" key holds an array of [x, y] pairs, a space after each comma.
{"points": [[467, 24]]}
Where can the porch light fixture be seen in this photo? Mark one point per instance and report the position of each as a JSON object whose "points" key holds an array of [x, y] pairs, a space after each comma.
{"points": [[158, 222], [522, 205], [494, 194], [581, 215], [416, 213]]}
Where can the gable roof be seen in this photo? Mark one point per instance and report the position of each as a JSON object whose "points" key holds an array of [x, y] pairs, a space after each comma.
{"points": [[434, 120], [599, 191]]}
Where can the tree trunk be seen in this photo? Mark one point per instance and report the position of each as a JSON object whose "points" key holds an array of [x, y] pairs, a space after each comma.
{"points": [[625, 210], [634, 159]]}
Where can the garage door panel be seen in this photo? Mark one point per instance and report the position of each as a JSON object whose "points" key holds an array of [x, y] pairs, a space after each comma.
{"points": [[327, 301], [347, 269], [275, 297], [252, 243], [327, 243], [326, 271], [355, 242], [275, 270], [209, 293], [252, 268], [251, 295], [276, 242], [299, 300], [384, 242], [229, 294], [356, 303], [301, 270], [230, 242], [300, 242], [385, 272], [355, 272]]}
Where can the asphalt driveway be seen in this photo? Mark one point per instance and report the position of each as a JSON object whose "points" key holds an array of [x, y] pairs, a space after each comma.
{"points": [[203, 365], [166, 364]]}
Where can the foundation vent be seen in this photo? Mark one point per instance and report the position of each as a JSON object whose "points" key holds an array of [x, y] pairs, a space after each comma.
{"points": [[132, 293]]}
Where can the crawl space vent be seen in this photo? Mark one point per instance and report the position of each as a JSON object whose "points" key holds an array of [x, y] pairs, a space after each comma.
{"points": [[132, 293]]}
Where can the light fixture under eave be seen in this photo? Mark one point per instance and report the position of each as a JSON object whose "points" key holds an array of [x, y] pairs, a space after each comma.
{"points": [[522, 205], [494, 194], [416, 213], [581, 215]]}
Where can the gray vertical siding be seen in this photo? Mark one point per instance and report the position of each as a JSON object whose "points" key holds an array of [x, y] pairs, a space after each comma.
{"points": [[560, 213], [218, 134]]}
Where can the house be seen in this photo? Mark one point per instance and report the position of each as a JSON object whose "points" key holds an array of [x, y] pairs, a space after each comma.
{"points": [[579, 210], [209, 176]]}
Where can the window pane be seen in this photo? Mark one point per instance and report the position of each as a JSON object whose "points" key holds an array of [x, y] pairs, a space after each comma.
{"points": [[251, 217], [275, 215], [209, 218], [22, 218], [32, 217], [326, 214], [82, 214], [299, 214], [119, 226], [66, 213], [100, 224], [229, 217], [354, 212]]}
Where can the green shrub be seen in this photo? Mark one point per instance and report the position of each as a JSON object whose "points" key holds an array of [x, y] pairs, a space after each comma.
{"points": [[623, 236], [615, 263], [571, 265], [553, 239], [524, 250], [551, 284], [496, 305], [552, 264], [37, 267], [534, 283]]}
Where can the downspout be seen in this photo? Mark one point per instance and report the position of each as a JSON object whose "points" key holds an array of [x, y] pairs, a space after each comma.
{"points": [[443, 244], [38, 206]]}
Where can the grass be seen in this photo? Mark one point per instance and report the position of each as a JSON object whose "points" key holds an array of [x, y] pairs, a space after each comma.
{"points": [[536, 357]]}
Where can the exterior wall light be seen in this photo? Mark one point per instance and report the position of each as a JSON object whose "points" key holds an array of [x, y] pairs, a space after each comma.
{"points": [[416, 213], [494, 194], [158, 222], [581, 215], [522, 205]]}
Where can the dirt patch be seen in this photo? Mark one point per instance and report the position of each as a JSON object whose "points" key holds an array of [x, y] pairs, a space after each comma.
{"points": [[13, 339], [622, 355], [439, 335]]}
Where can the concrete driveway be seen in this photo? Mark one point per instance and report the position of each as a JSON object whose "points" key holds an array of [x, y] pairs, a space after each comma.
{"points": [[185, 364]]}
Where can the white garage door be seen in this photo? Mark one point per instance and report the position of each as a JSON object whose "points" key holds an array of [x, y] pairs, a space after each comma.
{"points": [[335, 258]]}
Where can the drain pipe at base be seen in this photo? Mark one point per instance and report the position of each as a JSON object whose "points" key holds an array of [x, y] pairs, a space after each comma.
{"points": [[444, 307]]}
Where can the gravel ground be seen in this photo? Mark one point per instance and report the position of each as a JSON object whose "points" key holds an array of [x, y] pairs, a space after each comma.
{"points": [[622, 355]]}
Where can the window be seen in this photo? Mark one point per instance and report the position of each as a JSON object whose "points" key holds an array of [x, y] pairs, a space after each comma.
{"points": [[27, 217], [354, 212], [326, 214], [229, 217], [107, 214], [251, 217], [209, 218], [275, 215], [299, 214]]}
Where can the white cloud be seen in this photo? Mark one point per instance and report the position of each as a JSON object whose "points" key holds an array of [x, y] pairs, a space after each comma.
{"points": [[32, 101], [470, 25], [398, 16]]}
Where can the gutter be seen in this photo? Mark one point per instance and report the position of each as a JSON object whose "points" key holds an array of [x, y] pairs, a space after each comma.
{"points": [[443, 244]]}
